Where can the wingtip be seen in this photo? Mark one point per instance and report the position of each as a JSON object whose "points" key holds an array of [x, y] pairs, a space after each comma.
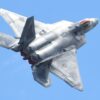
{"points": [[1, 11], [79, 87]]}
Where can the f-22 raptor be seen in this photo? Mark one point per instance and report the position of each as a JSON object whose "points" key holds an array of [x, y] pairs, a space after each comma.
{"points": [[48, 47]]}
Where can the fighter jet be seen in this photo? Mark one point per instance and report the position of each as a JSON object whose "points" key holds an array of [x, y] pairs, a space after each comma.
{"points": [[48, 47]]}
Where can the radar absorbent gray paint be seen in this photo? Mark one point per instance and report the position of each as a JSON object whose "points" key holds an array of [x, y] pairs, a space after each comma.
{"points": [[48, 47]]}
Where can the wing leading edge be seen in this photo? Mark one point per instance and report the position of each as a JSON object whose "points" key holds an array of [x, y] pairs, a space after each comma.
{"points": [[17, 22], [65, 67]]}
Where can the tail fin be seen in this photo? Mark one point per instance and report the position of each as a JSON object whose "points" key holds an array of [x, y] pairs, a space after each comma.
{"points": [[41, 73], [28, 34], [7, 41]]}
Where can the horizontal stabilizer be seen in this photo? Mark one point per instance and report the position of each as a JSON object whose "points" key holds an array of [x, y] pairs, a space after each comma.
{"points": [[7, 41], [65, 66]]}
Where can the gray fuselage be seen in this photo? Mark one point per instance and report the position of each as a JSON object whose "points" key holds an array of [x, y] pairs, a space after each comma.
{"points": [[58, 40]]}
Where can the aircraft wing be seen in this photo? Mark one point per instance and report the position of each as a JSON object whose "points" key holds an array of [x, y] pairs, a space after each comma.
{"points": [[17, 22], [65, 66]]}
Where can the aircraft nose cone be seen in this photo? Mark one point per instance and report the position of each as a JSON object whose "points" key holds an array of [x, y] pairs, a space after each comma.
{"points": [[95, 21]]}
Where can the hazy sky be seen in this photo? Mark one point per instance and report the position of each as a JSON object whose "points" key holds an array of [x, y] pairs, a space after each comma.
{"points": [[16, 81]]}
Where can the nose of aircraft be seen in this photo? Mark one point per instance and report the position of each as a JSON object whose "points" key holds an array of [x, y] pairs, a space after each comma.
{"points": [[94, 21], [88, 23]]}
